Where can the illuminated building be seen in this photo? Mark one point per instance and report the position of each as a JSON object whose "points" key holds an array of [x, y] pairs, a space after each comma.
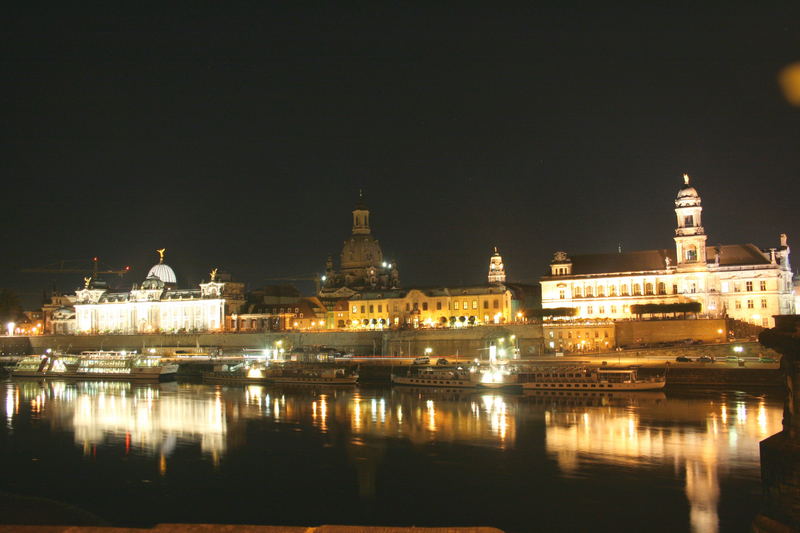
{"points": [[362, 265], [497, 272], [740, 281], [156, 305]]}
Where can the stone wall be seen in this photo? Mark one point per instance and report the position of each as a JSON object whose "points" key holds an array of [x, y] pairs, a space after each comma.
{"points": [[649, 331], [467, 342]]}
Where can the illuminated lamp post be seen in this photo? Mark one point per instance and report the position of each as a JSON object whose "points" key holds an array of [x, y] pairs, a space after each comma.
{"points": [[10, 329]]}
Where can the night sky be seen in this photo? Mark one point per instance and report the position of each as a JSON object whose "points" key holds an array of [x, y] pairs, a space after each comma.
{"points": [[237, 136]]}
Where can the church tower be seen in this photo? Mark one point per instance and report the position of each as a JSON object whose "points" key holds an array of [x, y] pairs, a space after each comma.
{"points": [[690, 237], [497, 272], [361, 217]]}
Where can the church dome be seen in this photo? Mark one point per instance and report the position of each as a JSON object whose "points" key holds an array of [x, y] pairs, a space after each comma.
{"points": [[163, 272], [361, 251], [153, 282], [687, 195]]}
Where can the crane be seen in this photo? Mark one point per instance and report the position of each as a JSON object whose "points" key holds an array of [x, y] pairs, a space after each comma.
{"points": [[72, 266], [316, 278]]}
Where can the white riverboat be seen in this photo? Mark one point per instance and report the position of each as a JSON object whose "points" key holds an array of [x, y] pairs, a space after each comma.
{"points": [[587, 379], [439, 377], [46, 365], [124, 366]]}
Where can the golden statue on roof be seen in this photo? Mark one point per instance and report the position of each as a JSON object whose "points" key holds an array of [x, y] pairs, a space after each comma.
{"points": [[86, 282], [161, 254], [214, 275], [686, 179]]}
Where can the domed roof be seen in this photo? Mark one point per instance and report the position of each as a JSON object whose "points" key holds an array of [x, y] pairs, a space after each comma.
{"points": [[361, 251], [687, 195], [163, 272]]}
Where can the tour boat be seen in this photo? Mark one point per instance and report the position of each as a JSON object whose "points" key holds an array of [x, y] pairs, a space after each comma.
{"points": [[282, 374], [438, 377], [124, 366], [44, 365], [585, 378]]}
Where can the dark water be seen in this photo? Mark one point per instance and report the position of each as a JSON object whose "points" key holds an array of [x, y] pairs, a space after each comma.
{"points": [[142, 454]]}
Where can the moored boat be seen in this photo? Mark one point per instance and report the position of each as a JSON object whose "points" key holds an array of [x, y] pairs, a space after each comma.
{"points": [[46, 365], [294, 374], [438, 377], [586, 378], [124, 366]]}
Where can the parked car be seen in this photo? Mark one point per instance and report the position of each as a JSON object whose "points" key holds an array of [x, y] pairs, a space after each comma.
{"points": [[705, 359], [442, 362], [424, 360], [683, 359]]}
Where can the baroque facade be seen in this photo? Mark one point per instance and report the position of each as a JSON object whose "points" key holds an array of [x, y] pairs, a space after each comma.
{"points": [[740, 281], [361, 262], [156, 305]]}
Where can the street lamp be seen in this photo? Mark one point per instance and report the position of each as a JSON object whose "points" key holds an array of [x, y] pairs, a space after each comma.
{"points": [[10, 328]]}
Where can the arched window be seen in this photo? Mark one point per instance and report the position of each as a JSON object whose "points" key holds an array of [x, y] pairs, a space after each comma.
{"points": [[648, 288], [576, 292], [637, 289], [662, 289], [624, 289], [691, 253], [601, 290], [589, 292], [612, 290]]}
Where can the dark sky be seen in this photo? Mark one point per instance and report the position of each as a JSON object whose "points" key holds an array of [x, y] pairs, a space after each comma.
{"points": [[237, 136]]}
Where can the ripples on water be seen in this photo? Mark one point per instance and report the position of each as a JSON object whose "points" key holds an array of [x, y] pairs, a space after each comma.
{"points": [[141, 454]]}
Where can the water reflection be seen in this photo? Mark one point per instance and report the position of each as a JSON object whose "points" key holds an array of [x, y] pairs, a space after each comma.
{"points": [[697, 440]]}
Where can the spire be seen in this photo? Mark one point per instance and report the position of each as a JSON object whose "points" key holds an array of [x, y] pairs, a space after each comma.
{"points": [[361, 216]]}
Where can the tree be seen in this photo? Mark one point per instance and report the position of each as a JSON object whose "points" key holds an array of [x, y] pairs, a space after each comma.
{"points": [[10, 307]]}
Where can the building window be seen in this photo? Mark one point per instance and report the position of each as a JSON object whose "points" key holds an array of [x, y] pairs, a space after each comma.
{"points": [[624, 290], [662, 289], [737, 304], [416, 306], [601, 290], [474, 304], [763, 303], [438, 306], [465, 305], [455, 306], [371, 309], [749, 304], [495, 304], [588, 309], [613, 309], [561, 296], [363, 309], [576, 293], [588, 292], [637, 289], [648, 288], [692, 287], [486, 302], [688, 221], [762, 285], [737, 287], [408, 306], [691, 253], [355, 309], [748, 286], [674, 288], [601, 309], [424, 306]]}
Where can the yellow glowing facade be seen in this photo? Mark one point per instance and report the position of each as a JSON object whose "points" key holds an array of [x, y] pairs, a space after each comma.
{"points": [[441, 307]]}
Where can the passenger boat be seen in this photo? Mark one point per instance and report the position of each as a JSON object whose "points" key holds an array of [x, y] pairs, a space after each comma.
{"points": [[37, 366], [125, 366], [293, 374], [438, 377], [586, 378], [96, 365]]}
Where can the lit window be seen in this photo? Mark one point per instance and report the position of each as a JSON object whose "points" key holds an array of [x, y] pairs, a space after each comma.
{"points": [[588, 292], [662, 289], [737, 304], [561, 296], [601, 309], [612, 290], [762, 285], [474, 304], [749, 286], [438, 306], [588, 309], [648, 288], [495, 304], [613, 309], [763, 303], [749, 304]]}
